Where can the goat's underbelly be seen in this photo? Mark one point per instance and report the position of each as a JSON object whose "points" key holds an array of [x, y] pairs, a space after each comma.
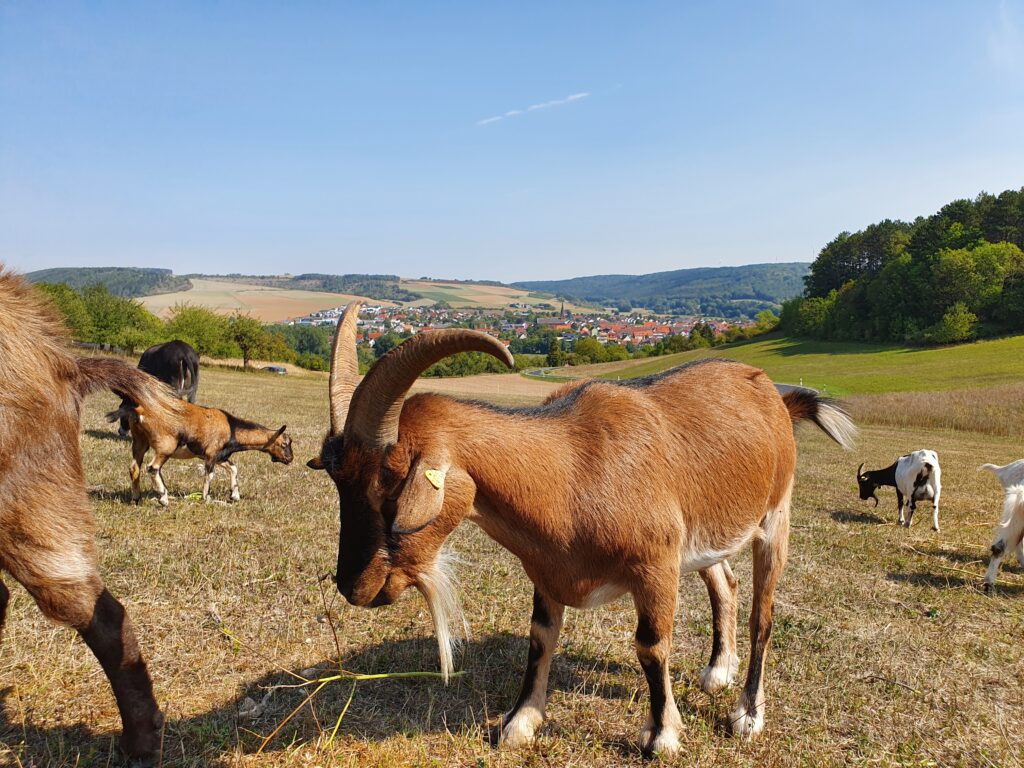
{"points": [[183, 453]]}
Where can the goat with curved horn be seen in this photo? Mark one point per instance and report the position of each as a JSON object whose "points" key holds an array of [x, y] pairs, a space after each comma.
{"points": [[344, 367], [377, 402]]}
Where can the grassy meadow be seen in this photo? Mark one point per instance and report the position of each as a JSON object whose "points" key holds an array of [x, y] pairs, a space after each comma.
{"points": [[885, 651]]}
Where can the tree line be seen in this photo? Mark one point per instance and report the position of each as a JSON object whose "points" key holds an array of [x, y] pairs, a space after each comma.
{"points": [[953, 276]]}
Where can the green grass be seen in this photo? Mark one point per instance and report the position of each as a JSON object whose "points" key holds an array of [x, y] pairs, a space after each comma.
{"points": [[847, 368]]}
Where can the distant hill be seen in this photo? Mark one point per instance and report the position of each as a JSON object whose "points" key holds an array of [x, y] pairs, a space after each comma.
{"points": [[722, 291], [128, 282]]}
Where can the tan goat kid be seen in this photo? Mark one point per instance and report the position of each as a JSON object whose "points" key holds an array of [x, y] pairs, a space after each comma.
{"points": [[605, 489], [47, 531], [209, 434]]}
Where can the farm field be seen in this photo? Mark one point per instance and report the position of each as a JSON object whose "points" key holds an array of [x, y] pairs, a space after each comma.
{"points": [[885, 651], [271, 305], [477, 295]]}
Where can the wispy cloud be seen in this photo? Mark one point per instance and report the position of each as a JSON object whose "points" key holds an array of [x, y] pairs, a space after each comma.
{"points": [[1006, 40], [534, 107]]}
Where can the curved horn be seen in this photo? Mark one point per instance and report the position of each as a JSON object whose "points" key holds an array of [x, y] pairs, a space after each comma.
{"points": [[344, 367], [377, 402], [860, 470]]}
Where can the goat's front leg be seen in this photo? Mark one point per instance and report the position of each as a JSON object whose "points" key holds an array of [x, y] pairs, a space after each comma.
{"points": [[656, 609], [158, 480], [899, 500], [519, 725], [935, 513], [724, 663]]}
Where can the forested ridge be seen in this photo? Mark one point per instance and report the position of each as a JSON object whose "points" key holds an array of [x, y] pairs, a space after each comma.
{"points": [[731, 292], [952, 276], [127, 282]]}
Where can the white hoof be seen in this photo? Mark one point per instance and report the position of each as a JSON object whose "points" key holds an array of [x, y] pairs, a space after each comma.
{"points": [[746, 723], [664, 743], [236, 496], [519, 731], [165, 501], [722, 675]]}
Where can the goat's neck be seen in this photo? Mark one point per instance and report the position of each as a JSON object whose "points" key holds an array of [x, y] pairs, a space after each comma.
{"points": [[524, 468], [252, 438]]}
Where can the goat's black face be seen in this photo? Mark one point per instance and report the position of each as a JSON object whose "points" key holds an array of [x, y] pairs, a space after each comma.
{"points": [[867, 488]]}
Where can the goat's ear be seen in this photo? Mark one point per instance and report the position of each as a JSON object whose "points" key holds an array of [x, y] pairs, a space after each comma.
{"points": [[279, 432], [315, 463], [422, 497]]}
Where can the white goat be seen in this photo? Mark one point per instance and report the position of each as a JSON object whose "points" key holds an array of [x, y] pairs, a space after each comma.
{"points": [[1010, 531], [916, 477]]}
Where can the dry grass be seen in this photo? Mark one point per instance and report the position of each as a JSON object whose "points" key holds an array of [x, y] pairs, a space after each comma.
{"points": [[993, 411], [885, 651]]}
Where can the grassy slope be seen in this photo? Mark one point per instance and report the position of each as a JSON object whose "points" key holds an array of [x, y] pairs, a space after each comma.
{"points": [[884, 652], [845, 369]]}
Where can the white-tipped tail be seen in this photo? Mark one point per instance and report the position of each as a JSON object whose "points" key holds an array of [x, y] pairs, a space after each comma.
{"points": [[437, 586], [837, 424]]}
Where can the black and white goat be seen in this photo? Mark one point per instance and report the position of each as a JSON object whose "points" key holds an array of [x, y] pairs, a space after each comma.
{"points": [[1010, 531], [916, 477]]}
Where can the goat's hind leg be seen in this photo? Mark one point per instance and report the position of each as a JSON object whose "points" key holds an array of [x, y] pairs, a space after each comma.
{"points": [[770, 552], [135, 470], [5, 598], [724, 663], [158, 479], [520, 724], [68, 589], [232, 470]]}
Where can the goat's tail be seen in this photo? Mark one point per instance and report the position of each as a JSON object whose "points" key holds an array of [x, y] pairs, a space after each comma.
{"points": [[830, 417], [128, 382]]}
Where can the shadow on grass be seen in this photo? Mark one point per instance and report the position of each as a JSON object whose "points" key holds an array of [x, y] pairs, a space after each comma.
{"points": [[107, 434], [950, 581], [380, 709], [864, 518]]}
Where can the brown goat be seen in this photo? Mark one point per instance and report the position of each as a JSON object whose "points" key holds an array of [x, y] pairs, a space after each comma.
{"points": [[209, 434], [47, 531], [605, 489]]}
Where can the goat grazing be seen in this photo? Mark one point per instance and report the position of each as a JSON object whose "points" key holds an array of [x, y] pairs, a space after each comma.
{"points": [[916, 477], [203, 433], [175, 363], [605, 489], [1010, 531], [47, 531]]}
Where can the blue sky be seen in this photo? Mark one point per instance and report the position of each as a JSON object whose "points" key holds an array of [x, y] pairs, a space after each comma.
{"points": [[360, 137]]}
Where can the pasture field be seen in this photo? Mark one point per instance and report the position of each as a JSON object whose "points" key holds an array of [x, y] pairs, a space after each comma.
{"points": [[271, 305], [885, 651], [840, 369]]}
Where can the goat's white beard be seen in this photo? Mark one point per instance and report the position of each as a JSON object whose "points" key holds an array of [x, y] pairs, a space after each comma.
{"points": [[438, 588]]}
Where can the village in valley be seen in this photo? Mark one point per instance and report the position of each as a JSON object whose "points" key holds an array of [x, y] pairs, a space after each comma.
{"points": [[520, 323]]}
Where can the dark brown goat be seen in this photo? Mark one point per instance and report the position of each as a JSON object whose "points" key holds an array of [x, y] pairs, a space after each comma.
{"points": [[605, 489], [47, 531], [209, 434]]}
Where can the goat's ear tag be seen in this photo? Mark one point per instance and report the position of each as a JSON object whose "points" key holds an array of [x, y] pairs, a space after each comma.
{"points": [[436, 478]]}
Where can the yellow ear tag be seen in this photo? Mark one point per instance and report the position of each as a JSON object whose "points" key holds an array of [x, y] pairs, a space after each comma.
{"points": [[436, 478]]}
